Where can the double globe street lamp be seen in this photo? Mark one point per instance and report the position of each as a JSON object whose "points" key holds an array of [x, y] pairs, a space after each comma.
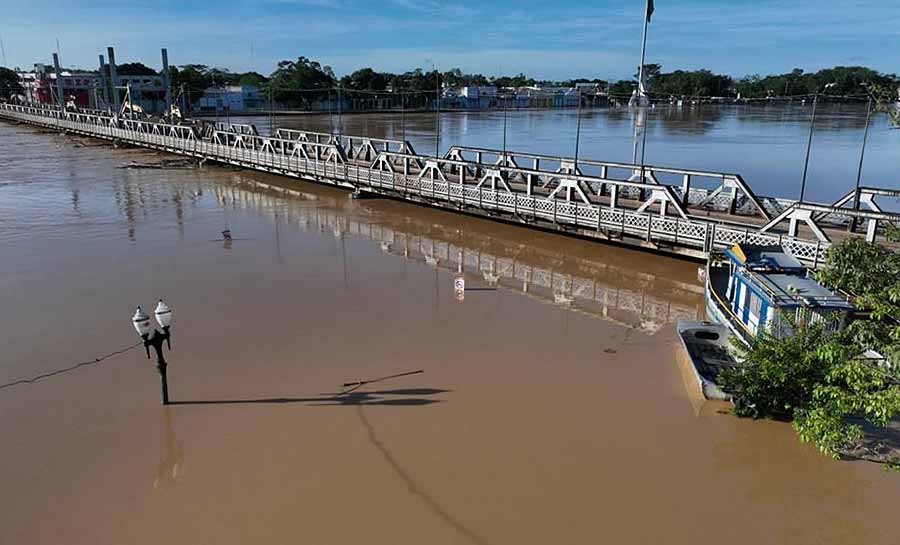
{"points": [[153, 337]]}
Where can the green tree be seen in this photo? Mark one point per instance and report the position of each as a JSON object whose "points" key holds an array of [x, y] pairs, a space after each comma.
{"points": [[871, 273], [135, 69], [252, 78], [195, 77], [885, 96], [9, 82], [825, 383], [365, 79], [623, 88], [295, 83]]}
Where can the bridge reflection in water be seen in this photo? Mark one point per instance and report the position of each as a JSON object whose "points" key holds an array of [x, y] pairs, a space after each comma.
{"points": [[613, 291]]}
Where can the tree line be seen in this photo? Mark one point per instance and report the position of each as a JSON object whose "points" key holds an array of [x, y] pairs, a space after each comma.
{"points": [[838, 80], [308, 75], [296, 81]]}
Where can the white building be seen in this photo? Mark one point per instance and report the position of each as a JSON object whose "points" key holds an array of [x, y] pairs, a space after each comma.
{"points": [[229, 98], [476, 92]]}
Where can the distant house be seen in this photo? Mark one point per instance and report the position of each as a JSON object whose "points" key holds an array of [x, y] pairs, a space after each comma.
{"points": [[475, 92], [229, 98], [587, 88]]}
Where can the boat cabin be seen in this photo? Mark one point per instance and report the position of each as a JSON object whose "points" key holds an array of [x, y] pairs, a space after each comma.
{"points": [[764, 283]]}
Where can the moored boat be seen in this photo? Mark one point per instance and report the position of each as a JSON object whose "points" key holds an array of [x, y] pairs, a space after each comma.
{"points": [[704, 353], [750, 289]]}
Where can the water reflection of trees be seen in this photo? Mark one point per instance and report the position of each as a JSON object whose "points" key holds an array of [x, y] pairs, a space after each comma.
{"points": [[690, 119], [829, 116]]}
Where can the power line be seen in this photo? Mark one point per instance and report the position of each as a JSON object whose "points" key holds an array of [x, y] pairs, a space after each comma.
{"points": [[32, 380]]}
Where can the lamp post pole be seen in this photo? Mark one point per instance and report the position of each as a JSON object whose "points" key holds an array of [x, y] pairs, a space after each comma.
{"points": [[812, 125], [862, 156], [155, 338]]}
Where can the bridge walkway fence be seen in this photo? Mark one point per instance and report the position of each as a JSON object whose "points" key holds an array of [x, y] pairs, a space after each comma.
{"points": [[440, 182]]}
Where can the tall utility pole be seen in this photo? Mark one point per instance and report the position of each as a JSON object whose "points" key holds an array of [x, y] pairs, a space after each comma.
{"points": [[60, 99], [113, 77]]}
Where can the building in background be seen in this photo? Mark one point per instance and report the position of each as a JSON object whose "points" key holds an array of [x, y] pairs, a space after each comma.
{"points": [[229, 98], [39, 86], [85, 89]]}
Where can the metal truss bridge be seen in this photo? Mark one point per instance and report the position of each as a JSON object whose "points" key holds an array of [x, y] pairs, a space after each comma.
{"points": [[651, 207]]}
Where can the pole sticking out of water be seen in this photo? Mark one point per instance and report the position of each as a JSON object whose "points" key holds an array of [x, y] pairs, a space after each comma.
{"points": [[437, 112], [643, 147], [577, 133], [862, 156], [340, 106], [504, 128], [812, 124]]}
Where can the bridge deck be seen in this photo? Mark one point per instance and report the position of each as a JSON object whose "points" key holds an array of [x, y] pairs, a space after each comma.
{"points": [[640, 207]]}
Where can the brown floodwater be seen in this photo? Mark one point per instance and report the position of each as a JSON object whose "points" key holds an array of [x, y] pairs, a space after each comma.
{"points": [[549, 410]]}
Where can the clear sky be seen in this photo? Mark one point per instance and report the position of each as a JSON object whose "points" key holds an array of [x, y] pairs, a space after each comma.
{"points": [[544, 39]]}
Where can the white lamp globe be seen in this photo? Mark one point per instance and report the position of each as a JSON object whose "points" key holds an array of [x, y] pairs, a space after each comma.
{"points": [[163, 314], [141, 322]]}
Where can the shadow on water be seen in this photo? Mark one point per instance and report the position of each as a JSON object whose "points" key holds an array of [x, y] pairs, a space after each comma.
{"points": [[411, 485], [401, 398]]}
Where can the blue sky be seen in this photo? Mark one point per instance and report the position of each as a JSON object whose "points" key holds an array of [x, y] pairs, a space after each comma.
{"points": [[553, 40]]}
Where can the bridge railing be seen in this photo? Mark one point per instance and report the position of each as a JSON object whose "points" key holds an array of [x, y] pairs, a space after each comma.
{"points": [[432, 184]]}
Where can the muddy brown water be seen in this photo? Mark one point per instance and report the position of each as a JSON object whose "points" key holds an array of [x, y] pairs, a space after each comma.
{"points": [[549, 411]]}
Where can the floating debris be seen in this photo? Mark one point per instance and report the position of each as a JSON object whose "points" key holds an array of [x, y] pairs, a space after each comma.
{"points": [[163, 164]]}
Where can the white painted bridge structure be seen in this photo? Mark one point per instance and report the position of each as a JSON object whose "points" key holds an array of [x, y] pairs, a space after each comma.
{"points": [[652, 207]]}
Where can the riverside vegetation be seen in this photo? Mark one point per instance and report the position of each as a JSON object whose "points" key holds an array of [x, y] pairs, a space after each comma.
{"points": [[837, 398]]}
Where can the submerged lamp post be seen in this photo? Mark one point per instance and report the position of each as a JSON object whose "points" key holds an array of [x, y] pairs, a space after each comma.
{"points": [[153, 337]]}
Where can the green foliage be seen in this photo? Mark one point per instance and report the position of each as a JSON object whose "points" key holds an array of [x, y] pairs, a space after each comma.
{"points": [[701, 83], [295, 83], [365, 79], [135, 69], [779, 376], [622, 88], [823, 382], [848, 80], [9, 82], [885, 96], [872, 274], [196, 78], [818, 381]]}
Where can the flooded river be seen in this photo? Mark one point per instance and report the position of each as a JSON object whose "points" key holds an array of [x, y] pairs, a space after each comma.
{"points": [[549, 409]]}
